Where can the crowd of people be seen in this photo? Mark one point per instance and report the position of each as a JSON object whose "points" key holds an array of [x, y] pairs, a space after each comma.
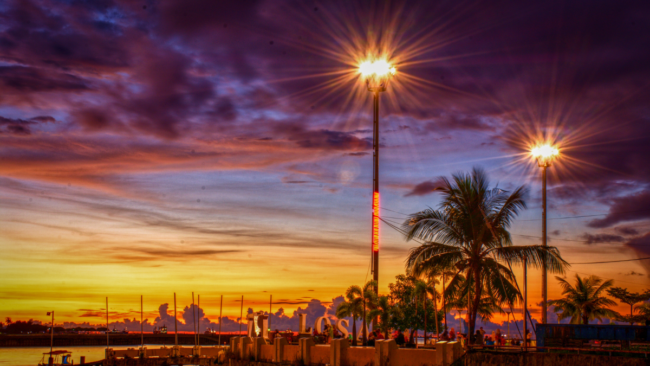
{"points": [[496, 338], [481, 338]]}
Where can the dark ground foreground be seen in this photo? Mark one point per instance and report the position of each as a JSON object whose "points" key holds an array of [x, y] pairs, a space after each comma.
{"points": [[472, 359], [477, 358]]}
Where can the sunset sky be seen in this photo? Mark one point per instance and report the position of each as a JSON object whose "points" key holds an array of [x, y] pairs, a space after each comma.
{"points": [[225, 147]]}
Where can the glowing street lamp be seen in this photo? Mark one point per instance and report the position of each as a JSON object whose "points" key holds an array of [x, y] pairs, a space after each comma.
{"points": [[377, 74], [544, 154]]}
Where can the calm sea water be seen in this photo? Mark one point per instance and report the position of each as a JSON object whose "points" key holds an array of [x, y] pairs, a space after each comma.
{"points": [[30, 356]]}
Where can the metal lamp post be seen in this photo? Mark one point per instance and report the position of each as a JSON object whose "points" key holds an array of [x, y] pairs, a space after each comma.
{"points": [[377, 74], [544, 155]]}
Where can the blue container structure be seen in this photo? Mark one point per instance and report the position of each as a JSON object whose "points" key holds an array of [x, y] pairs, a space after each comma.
{"points": [[570, 335]]}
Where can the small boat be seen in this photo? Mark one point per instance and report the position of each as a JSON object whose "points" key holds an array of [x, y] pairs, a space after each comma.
{"points": [[59, 358], [62, 357]]}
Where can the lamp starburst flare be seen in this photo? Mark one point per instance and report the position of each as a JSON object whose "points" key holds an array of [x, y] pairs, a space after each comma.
{"points": [[544, 154], [380, 68], [544, 151], [376, 73]]}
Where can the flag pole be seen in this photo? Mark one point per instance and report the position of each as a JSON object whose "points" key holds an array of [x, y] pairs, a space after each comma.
{"points": [[52, 336], [241, 314], [141, 324], [107, 324], [198, 323], [194, 318], [175, 323], [220, 312]]}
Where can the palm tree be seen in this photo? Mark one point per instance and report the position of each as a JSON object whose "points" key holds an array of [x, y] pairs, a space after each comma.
{"points": [[384, 311], [422, 289], [630, 298], [432, 281], [644, 312], [487, 307], [445, 274], [419, 292], [468, 234], [584, 302], [369, 304], [357, 301], [351, 307], [431, 290]]}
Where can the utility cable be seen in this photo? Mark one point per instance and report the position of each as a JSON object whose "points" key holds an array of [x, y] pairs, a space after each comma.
{"points": [[623, 260], [583, 216], [550, 218], [590, 274]]}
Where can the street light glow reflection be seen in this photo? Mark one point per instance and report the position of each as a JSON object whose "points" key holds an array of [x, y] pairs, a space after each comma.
{"points": [[376, 68]]}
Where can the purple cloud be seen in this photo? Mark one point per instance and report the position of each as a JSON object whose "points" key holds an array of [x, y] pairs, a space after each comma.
{"points": [[627, 208], [601, 238]]}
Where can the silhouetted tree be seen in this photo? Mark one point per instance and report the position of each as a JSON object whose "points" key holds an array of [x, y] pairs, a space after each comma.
{"points": [[469, 235], [583, 302], [630, 298], [357, 302]]}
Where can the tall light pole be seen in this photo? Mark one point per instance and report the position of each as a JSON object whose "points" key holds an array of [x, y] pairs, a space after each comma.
{"points": [[376, 73], [544, 155], [526, 304]]}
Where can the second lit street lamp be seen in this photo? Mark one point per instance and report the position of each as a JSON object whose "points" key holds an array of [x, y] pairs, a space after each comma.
{"points": [[544, 155], [376, 73]]}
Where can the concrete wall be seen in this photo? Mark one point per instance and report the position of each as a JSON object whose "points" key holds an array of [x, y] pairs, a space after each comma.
{"points": [[159, 352], [360, 356], [320, 354], [153, 362], [267, 353], [411, 357], [164, 352], [338, 353], [210, 351], [291, 353]]}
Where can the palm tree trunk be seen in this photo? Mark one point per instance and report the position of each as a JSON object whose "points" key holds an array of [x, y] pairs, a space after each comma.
{"points": [[413, 330], [354, 330], [425, 318], [631, 313], [364, 327], [477, 300], [460, 319], [435, 308], [444, 303]]}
